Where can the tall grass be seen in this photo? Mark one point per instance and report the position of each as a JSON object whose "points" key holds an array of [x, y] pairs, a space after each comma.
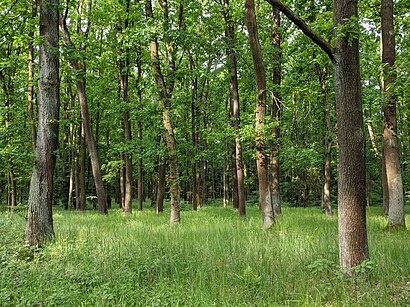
{"points": [[213, 258]]}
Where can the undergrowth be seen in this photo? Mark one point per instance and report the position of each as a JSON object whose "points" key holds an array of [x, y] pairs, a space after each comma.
{"points": [[213, 258]]}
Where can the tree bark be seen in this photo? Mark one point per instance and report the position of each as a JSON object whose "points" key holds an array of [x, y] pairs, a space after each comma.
{"points": [[261, 159], [394, 185], [39, 222], [353, 247]]}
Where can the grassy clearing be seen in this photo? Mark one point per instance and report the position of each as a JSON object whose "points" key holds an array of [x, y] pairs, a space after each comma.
{"points": [[214, 258]]}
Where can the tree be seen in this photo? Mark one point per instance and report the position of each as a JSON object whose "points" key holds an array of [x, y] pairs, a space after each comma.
{"points": [[124, 67], [165, 90], [391, 163], [237, 178], [275, 113], [265, 202], [39, 225], [353, 246], [80, 70]]}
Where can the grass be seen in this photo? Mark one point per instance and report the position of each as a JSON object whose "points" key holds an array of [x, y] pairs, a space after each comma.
{"points": [[213, 258]]}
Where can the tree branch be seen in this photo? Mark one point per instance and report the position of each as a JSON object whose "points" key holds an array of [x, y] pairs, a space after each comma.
{"points": [[302, 25]]}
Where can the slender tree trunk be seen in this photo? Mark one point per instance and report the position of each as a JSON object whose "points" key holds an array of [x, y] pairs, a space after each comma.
{"points": [[326, 205], [196, 200], [140, 128], [39, 221], [81, 175], [235, 192], [124, 77], [204, 169], [30, 88], [276, 106], [161, 185], [225, 181], [82, 97], [165, 93], [394, 185], [261, 159]]}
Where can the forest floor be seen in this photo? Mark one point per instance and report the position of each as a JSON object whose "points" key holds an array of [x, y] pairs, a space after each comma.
{"points": [[213, 258]]}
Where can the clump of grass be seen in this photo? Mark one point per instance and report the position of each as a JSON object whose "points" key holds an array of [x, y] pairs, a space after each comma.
{"points": [[214, 258]]}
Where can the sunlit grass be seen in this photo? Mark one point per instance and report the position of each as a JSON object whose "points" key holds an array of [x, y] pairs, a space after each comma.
{"points": [[213, 257]]}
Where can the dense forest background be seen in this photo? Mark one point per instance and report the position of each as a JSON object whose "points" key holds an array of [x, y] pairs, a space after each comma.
{"points": [[110, 40]]}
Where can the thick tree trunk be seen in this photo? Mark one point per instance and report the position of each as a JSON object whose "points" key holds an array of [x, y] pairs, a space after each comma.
{"points": [[394, 185], [276, 106], [265, 202], [353, 245], [39, 222]]}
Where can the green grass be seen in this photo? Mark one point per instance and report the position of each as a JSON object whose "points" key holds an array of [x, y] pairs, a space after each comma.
{"points": [[213, 258]]}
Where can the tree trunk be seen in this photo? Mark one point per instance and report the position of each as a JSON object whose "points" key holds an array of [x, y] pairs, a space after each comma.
{"points": [[30, 88], [165, 93], [81, 175], [124, 77], [39, 221], [261, 159], [276, 106], [139, 133], [225, 181], [353, 245], [161, 185], [394, 185], [196, 199], [80, 69], [326, 205]]}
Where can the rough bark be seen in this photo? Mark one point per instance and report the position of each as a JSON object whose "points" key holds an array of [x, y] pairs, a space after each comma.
{"points": [[39, 222], [394, 185], [353, 247], [261, 159]]}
